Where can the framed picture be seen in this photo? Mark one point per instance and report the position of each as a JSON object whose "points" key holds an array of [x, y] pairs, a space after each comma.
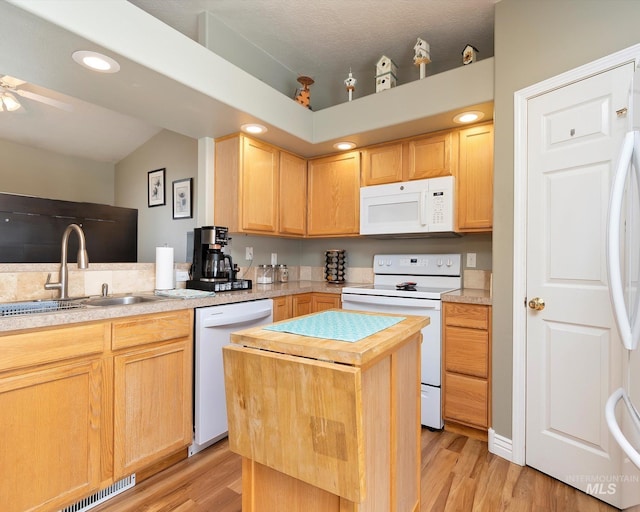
{"points": [[155, 188], [182, 205]]}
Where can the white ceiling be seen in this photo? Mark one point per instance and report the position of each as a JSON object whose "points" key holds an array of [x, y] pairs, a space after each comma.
{"points": [[314, 39], [328, 37]]}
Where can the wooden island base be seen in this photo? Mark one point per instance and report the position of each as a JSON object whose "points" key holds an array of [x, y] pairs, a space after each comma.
{"points": [[335, 431]]}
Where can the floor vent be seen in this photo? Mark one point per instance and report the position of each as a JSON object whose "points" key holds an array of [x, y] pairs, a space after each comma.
{"points": [[95, 499]]}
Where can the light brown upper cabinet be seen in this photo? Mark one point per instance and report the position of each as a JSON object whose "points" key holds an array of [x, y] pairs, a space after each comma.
{"points": [[259, 189], [383, 164], [334, 195], [432, 156], [293, 195], [246, 185], [474, 184]]}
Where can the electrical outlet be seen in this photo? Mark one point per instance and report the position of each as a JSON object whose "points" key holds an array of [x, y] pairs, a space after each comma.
{"points": [[248, 255], [274, 258], [471, 260], [181, 276]]}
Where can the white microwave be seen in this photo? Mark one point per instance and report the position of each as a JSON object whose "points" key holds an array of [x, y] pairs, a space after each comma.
{"points": [[415, 207]]}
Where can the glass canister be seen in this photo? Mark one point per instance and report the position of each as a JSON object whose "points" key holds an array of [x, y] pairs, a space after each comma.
{"points": [[264, 274], [282, 274], [335, 266]]}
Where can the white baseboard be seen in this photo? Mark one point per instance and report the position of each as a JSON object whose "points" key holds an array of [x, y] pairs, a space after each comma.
{"points": [[500, 445]]}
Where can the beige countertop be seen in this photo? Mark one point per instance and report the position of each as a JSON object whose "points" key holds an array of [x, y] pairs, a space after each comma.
{"points": [[469, 296], [9, 324]]}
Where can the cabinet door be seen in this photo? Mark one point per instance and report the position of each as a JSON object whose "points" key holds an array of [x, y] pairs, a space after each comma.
{"points": [[322, 301], [293, 195], [474, 316], [259, 187], [475, 179], [466, 400], [382, 164], [50, 436], [301, 304], [334, 195], [432, 156], [152, 405], [281, 308], [467, 351]]}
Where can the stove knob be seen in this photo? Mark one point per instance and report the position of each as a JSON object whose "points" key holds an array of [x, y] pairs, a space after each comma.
{"points": [[449, 263], [439, 263]]}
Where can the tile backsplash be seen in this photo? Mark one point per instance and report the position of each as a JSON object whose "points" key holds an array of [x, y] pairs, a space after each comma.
{"points": [[25, 281]]}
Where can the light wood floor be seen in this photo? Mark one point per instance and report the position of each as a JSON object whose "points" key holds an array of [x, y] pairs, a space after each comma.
{"points": [[458, 474]]}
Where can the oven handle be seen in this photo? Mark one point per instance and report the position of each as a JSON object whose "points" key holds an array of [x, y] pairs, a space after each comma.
{"points": [[221, 319], [392, 301]]}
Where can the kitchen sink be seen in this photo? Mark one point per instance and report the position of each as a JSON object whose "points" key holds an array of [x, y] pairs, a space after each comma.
{"points": [[120, 300], [31, 307]]}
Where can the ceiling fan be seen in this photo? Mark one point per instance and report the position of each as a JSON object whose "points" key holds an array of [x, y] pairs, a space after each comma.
{"points": [[9, 88]]}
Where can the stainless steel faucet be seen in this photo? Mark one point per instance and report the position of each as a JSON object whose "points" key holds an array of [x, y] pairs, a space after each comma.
{"points": [[83, 261]]}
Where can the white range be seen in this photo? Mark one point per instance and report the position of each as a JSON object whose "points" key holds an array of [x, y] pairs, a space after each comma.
{"points": [[412, 284]]}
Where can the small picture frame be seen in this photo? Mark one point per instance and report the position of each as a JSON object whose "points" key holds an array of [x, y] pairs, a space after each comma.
{"points": [[182, 204], [155, 188]]}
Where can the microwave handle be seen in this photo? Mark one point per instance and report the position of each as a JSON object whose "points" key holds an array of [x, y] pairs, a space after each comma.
{"points": [[423, 207]]}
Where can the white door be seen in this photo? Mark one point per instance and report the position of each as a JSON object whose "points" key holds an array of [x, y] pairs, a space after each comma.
{"points": [[574, 355]]}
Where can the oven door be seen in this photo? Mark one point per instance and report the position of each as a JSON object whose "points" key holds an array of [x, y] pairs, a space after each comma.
{"points": [[431, 338]]}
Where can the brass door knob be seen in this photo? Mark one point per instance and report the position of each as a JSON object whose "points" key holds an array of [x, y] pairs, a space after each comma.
{"points": [[536, 303]]}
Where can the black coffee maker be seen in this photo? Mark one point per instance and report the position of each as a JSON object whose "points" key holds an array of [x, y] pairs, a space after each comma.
{"points": [[212, 269]]}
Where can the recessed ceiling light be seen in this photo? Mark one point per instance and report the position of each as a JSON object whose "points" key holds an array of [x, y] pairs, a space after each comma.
{"points": [[96, 61], [468, 117], [253, 128], [344, 145]]}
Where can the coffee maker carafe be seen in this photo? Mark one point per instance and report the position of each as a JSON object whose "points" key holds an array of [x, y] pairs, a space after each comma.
{"points": [[215, 264]]}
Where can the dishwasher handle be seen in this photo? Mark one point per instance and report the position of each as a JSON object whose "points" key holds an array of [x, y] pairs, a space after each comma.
{"points": [[223, 319]]}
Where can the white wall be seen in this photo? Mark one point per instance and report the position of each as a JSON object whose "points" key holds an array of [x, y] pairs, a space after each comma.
{"points": [[156, 227], [37, 172]]}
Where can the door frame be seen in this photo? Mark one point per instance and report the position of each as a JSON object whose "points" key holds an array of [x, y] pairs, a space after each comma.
{"points": [[520, 193]]}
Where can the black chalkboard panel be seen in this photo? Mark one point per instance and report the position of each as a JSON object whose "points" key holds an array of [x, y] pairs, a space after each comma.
{"points": [[31, 230]]}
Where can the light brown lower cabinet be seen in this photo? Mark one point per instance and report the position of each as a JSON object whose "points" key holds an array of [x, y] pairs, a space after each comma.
{"points": [[78, 416], [290, 306], [281, 308], [467, 364]]}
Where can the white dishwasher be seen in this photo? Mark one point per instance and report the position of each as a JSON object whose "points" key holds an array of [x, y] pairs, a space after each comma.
{"points": [[213, 327]]}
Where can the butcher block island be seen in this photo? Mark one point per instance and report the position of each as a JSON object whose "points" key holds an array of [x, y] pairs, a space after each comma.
{"points": [[325, 411]]}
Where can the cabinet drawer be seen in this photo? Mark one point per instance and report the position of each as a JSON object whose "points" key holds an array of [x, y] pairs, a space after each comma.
{"points": [[467, 351], [466, 399], [473, 316], [152, 328], [50, 345]]}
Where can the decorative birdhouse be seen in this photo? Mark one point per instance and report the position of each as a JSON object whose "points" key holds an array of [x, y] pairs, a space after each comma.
{"points": [[386, 72], [303, 96], [422, 52], [469, 54], [386, 81], [350, 83], [422, 56], [386, 65]]}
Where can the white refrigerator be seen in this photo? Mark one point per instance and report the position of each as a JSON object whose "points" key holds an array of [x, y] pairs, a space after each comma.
{"points": [[623, 265]]}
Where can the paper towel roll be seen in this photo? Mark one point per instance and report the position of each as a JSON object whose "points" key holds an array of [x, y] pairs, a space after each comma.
{"points": [[164, 268]]}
